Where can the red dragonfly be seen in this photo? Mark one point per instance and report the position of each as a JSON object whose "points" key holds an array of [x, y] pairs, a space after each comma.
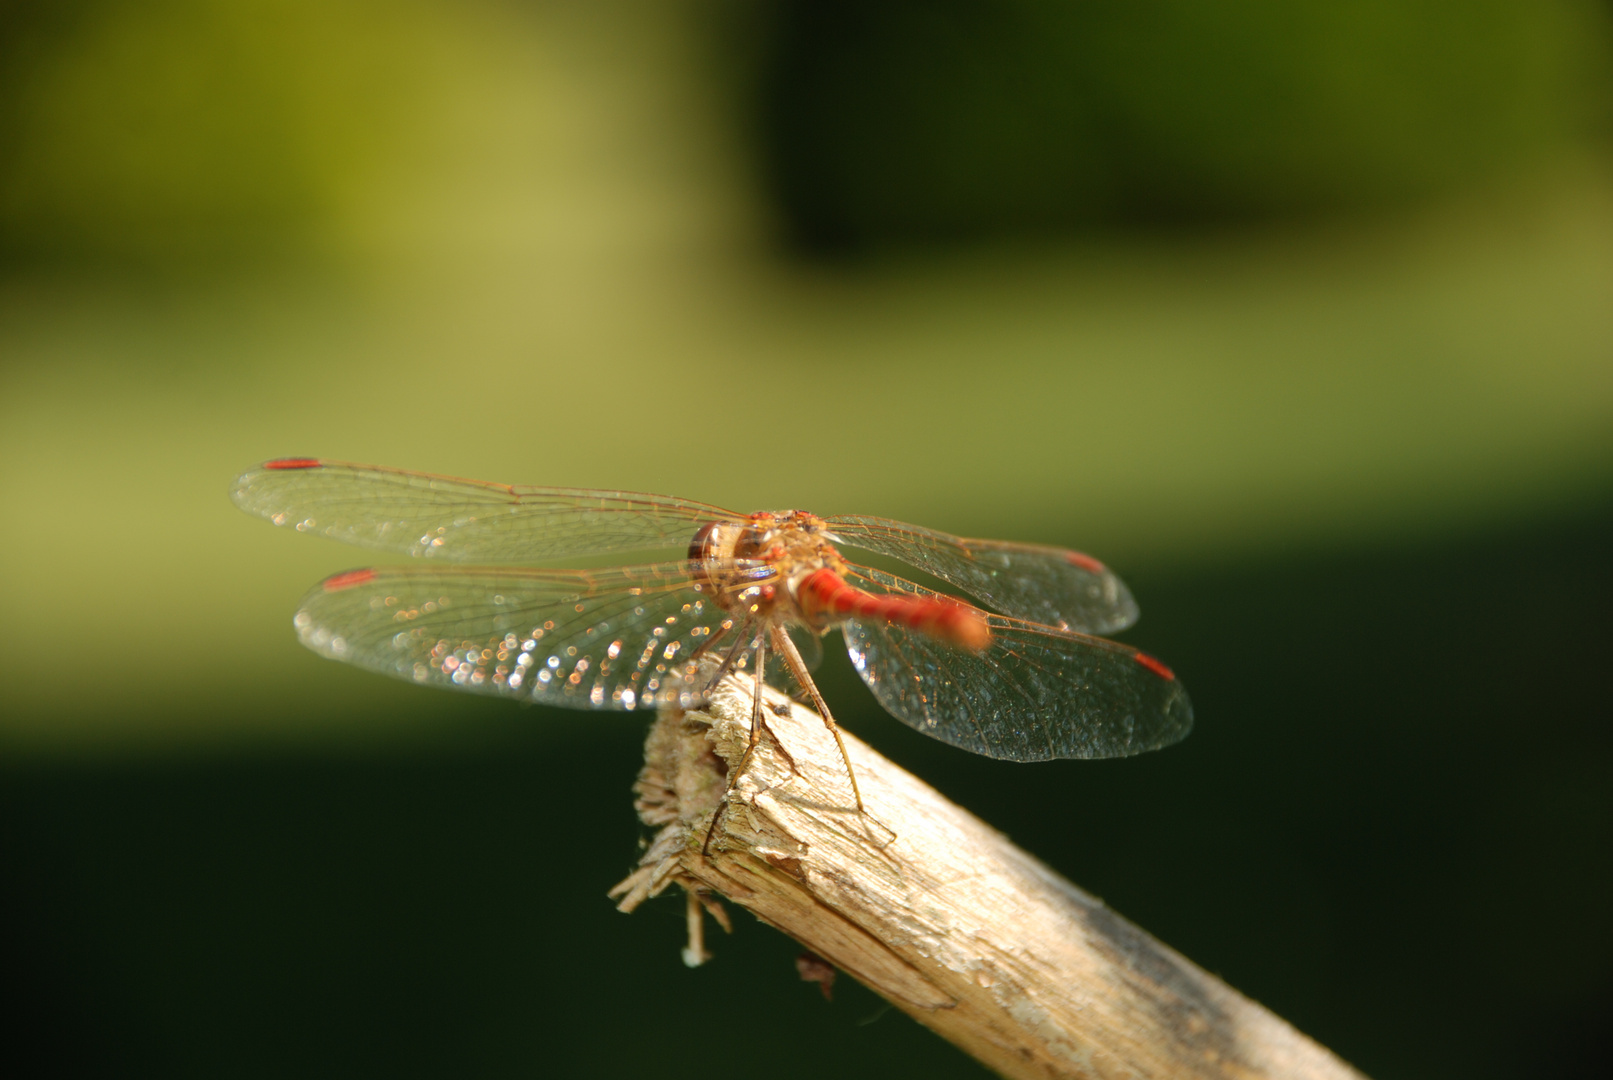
{"points": [[1028, 682]]}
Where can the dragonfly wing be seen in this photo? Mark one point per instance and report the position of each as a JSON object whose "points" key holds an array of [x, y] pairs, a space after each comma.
{"points": [[1048, 585], [1034, 694], [463, 520], [613, 639]]}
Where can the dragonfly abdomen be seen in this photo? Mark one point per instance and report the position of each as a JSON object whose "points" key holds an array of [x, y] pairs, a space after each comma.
{"points": [[826, 592]]}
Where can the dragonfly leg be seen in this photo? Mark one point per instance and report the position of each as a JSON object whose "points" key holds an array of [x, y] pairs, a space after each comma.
{"points": [[758, 719], [755, 734], [728, 660], [798, 668], [706, 646], [758, 724]]}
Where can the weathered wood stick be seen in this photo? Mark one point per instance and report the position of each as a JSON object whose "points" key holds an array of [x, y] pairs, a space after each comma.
{"points": [[932, 909]]}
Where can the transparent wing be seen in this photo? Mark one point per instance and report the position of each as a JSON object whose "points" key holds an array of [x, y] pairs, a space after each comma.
{"points": [[1035, 693], [463, 520], [614, 639], [1053, 586]]}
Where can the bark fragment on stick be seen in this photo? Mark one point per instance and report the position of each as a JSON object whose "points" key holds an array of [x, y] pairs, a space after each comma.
{"points": [[932, 909]]}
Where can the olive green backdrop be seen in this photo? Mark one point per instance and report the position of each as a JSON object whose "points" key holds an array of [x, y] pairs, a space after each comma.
{"points": [[1300, 320]]}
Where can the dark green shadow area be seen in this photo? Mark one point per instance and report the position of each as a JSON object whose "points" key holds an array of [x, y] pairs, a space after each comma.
{"points": [[904, 124], [1392, 826]]}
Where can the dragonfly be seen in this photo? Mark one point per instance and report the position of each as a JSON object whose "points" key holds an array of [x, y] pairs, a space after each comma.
{"points": [[1022, 673]]}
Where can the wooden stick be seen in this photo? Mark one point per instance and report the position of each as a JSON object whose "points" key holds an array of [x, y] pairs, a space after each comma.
{"points": [[932, 909]]}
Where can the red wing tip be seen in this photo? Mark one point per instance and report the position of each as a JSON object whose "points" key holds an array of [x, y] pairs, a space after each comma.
{"points": [[348, 580], [1154, 665], [293, 463], [1085, 562]]}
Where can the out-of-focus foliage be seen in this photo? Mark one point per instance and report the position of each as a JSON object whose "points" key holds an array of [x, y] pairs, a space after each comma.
{"points": [[152, 131], [184, 130], [927, 119]]}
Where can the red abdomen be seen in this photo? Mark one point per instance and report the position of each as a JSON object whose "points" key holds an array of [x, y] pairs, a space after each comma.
{"points": [[950, 620]]}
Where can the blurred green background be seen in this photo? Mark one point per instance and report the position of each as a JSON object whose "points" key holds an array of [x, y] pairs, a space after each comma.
{"points": [[1299, 316]]}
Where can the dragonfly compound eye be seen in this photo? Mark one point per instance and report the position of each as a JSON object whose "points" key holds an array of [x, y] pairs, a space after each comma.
{"points": [[700, 546]]}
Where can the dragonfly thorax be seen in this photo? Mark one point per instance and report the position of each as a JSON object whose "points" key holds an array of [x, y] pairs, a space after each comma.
{"points": [[756, 567]]}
